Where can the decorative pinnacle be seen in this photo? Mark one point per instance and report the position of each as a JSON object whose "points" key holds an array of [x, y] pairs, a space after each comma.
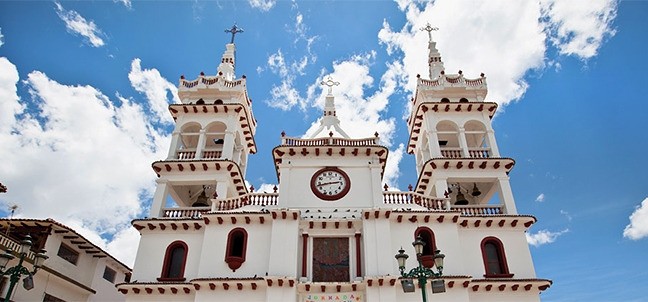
{"points": [[429, 29], [234, 30], [330, 83]]}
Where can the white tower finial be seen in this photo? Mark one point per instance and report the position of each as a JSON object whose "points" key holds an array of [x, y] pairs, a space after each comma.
{"points": [[330, 116], [434, 57], [330, 83], [429, 29]]}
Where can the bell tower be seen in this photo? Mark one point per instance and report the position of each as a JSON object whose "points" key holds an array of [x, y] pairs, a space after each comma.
{"points": [[453, 141], [213, 136]]}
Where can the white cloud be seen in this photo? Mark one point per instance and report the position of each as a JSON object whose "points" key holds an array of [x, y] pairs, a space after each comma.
{"points": [[76, 24], [9, 105], [540, 198], [267, 188], [543, 237], [360, 115], [155, 87], [638, 226], [263, 5], [77, 157], [503, 39], [126, 3], [123, 245], [566, 214], [285, 95], [578, 27], [1, 38]]}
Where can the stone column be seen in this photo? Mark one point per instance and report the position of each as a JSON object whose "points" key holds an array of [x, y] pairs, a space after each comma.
{"points": [[492, 144], [507, 196], [228, 145], [201, 144], [463, 143], [175, 141], [159, 198]]}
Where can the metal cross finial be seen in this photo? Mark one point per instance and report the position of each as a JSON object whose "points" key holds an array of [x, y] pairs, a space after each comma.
{"points": [[330, 83], [429, 29], [234, 30]]}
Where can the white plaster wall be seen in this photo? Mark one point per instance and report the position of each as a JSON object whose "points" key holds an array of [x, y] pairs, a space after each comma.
{"points": [[179, 297], [106, 290], [504, 297], [451, 295], [152, 247], [447, 239], [298, 193], [231, 295], [516, 249], [84, 269], [284, 240], [45, 282], [212, 258]]}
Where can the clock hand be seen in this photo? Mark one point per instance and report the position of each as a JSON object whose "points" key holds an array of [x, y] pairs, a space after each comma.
{"points": [[328, 183]]}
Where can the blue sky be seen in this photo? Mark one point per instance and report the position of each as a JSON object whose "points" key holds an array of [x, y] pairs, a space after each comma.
{"points": [[84, 88]]}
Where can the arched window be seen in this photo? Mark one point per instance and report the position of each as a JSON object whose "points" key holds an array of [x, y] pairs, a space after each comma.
{"points": [[174, 262], [494, 258], [236, 248], [445, 100], [200, 102], [427, 258], [463, 100]]}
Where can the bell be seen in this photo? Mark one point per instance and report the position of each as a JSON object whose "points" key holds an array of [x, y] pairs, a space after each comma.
{"points": [[201, 201], [461, 199], [476, 191]]}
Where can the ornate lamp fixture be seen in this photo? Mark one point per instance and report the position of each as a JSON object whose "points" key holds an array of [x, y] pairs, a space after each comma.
{"points": [[421, 273], [18, 270]]}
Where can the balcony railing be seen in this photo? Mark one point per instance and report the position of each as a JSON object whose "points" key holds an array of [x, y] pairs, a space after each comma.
{"points": [[479, 152], [186, 154], [472, 152], [190, 154], [10, 244], [409, 198], [256, 199], [185, 212], [451, 152], [432, 203], [212, 154], [329, 141], [473, 210]]}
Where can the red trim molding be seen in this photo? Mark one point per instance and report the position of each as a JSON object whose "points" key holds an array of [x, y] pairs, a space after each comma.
{"points": [[304, 254], [427, 258], [234, 261], [166, 265], [358, 256], [501, 255]]}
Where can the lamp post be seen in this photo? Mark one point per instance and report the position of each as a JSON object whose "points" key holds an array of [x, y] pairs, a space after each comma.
{"points": [[421, 273], [17, 271]]}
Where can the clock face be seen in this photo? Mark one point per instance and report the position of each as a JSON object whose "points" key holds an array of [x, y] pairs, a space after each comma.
{"points": [[330, 183]]}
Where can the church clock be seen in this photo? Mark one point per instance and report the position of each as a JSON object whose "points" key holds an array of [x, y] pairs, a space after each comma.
{"points": [[330, 183]]}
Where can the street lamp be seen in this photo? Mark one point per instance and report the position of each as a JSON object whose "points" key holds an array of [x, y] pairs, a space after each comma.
{"points": [[17, 271], [421, 273]]}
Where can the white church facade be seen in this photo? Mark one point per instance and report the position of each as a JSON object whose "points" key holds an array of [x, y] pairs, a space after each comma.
{"points": [[331, 231]]}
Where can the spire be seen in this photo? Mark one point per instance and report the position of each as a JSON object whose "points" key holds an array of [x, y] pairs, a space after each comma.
{"points": [[434, 57], [330, 116], [226, 67]]}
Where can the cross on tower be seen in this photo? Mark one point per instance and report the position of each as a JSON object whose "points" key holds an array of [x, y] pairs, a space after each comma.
{"points": [[429, 29], [330, 83], [234, 30]]}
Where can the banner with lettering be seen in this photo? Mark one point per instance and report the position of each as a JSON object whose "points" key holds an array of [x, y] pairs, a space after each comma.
{"points": [[337, 297]]}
